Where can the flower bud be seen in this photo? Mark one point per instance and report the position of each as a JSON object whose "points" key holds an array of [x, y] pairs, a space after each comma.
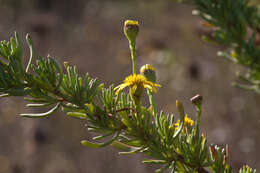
{"points": [[214, 152], [226, 156], [179, 107], [148, 72], [131, 29], [196, 100], [66, 64]]}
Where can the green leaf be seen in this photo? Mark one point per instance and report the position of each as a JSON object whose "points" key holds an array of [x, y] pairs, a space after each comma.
{"points": [[227, 56], [100, 145], [100, 87], [121, 146], [4, 95], [134, 142], [78, 115], [91, 109], [162, 169], [18, 46], [155, 161], [41, 115], [177, 132], [33, 100], [134, 150], [39, 105], [102, 136], [13, 46]]}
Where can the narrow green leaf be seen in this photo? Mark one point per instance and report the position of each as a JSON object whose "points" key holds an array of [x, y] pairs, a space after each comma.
{"points": [[102, 136], [13, 46], [34, 100], [162, 169], [77, 115], [133, 150], [39, 105], [100, 87], [121, 146], [91, 144], [4, 95], [155, 161], [18, 46], [182, 115], [91, 109], [40, 115], [134, 143], [100, 145], [227, 56], [30, 45]]}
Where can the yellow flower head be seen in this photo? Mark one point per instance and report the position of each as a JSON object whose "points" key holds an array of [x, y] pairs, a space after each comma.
{"points": [[187, 122], [137, 81]]}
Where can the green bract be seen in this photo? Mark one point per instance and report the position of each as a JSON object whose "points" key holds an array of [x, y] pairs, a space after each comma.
{"points": [[131, 29]]}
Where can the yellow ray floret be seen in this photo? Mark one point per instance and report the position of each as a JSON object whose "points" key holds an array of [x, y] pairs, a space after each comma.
{"points": [[131, 22], [137, 81], [187, 122]]}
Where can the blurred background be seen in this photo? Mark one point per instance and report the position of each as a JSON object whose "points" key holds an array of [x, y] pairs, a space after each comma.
{"points": [[89, 34]]}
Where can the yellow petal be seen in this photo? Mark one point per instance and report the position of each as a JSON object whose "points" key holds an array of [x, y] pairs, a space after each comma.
{"points": [[157, 85], [152, 89], [120, 87]]}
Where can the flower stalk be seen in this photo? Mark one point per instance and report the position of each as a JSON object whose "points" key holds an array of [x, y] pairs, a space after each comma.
{"points": [[131, 29], [197, 101], [148, 71]]}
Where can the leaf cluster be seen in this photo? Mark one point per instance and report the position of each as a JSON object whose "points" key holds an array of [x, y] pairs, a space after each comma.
{"points": [[170, 142], [234, 25]]}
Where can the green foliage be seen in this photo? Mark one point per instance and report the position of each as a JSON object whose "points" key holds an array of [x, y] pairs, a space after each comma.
{"points": [[235, 25], [247, 169], [175, 144]]}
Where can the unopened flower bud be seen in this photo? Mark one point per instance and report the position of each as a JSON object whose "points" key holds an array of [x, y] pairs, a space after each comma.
{"points": [[179, 107], [66, 64], [214, 152], [131, 29], [148, 71], [196, 100], [226, 156]]}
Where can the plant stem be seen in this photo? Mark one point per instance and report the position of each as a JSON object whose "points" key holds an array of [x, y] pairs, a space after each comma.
{"points": [[132, 45], [198, 119], [152, 101]]}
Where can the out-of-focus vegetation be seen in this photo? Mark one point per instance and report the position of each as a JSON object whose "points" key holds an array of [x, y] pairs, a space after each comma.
{"points": [[235, 26], [88, 33]]}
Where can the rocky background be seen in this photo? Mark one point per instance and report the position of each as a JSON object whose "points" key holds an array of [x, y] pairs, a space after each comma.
{"points": [[89, 34]]}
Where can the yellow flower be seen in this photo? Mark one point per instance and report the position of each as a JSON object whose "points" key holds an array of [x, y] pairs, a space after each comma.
{"points": [[137, 82], [187, 122]]}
